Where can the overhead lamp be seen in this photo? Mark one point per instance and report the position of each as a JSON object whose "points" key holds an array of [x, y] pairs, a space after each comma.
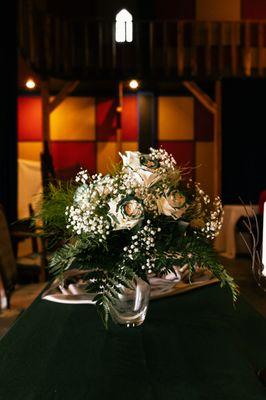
{"points": [[30, 84], [133, 84]]}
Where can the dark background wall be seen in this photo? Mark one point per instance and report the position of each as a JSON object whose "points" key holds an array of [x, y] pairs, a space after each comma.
{"points": [[8, 111], [244, 139]]}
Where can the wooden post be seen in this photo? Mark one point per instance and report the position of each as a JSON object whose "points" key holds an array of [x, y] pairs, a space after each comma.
{"points": [[45, 114], [208, 60], [119, 109], [86, 46], [233, 47], [151, 45], [193, 57], [261, 47], [221, 47], [217, 140], [180, 48], [165, 50], [247, 50], [100, 44]]}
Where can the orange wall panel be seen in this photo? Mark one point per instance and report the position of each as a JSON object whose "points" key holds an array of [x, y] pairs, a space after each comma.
{"points": [[218, 10], [106, 156], [130, 146], [205, 166], [175, 118], [74, 119], [30, 150]]}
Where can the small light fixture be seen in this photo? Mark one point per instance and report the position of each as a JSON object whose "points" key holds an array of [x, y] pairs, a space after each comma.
{"points": [[30, 84], [133, 84]]}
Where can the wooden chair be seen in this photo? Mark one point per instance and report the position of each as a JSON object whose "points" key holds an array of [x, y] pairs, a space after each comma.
{"points": [[12, 271]]}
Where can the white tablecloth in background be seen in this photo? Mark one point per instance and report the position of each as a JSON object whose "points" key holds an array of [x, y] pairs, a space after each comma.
{"points": [[225, 243], [29, 185]]}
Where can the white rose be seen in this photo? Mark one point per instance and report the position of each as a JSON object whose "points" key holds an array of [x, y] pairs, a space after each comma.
{"points": [[125, 213], [173, 205], [141, 167], [131, 159]]}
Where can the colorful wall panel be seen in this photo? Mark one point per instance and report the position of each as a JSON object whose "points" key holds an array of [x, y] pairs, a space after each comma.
{"points": [[204, 165], [130, 118], [72, 154], [74, 119], [106, 156], [175, 118], [179, 9], [30, 150], [203, 123], [29, 118], [218, 10], [106, 119], [84, 133], [182, 151], [253, 9]]}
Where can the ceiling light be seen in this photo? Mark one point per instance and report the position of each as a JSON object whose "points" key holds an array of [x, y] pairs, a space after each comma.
{"points": [[133, 84], [30, 84]]}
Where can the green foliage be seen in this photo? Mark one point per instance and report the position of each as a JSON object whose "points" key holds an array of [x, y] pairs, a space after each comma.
{"points": [[51, 211]]}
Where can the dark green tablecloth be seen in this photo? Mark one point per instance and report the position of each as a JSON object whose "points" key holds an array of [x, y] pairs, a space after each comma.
{"points": [[191, 346]]}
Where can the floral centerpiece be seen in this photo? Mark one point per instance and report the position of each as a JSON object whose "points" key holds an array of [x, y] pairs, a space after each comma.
{"points": [[143, 219]]}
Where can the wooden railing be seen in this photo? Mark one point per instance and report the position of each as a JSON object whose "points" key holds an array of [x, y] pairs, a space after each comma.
{"points": [[169, 49]]}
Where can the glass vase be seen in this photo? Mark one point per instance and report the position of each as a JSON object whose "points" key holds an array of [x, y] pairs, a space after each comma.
{"points": [[130, 308]]}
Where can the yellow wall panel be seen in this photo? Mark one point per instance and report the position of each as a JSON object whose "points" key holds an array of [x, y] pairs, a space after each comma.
{"points": [[218, 10], [129, 146], [175, 118], [204, 166], [74, 119], [30, 150], [106, 156]]}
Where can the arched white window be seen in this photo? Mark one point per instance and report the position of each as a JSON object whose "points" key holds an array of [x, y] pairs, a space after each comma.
{"points": [[123, 26]]}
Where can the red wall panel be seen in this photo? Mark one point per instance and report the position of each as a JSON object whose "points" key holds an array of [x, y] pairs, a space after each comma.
{"points": [[70, 154], [29, 118], [106, 119], [203, 123], [183, 152], [253, 9], [181, 9], [130, 119]]}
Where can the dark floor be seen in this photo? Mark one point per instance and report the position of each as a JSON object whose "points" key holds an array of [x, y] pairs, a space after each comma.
{"points": [[240, 269]]}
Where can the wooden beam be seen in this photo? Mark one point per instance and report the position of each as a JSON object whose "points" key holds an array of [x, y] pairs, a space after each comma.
{"points": [[200, 95], [60, 97], [218, 139]]}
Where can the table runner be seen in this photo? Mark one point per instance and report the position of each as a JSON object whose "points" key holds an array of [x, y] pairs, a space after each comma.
{"points": [[191, 346]]}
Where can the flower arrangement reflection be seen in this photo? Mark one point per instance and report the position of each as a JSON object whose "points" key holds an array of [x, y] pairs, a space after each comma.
{"points": [[143, 219]]}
